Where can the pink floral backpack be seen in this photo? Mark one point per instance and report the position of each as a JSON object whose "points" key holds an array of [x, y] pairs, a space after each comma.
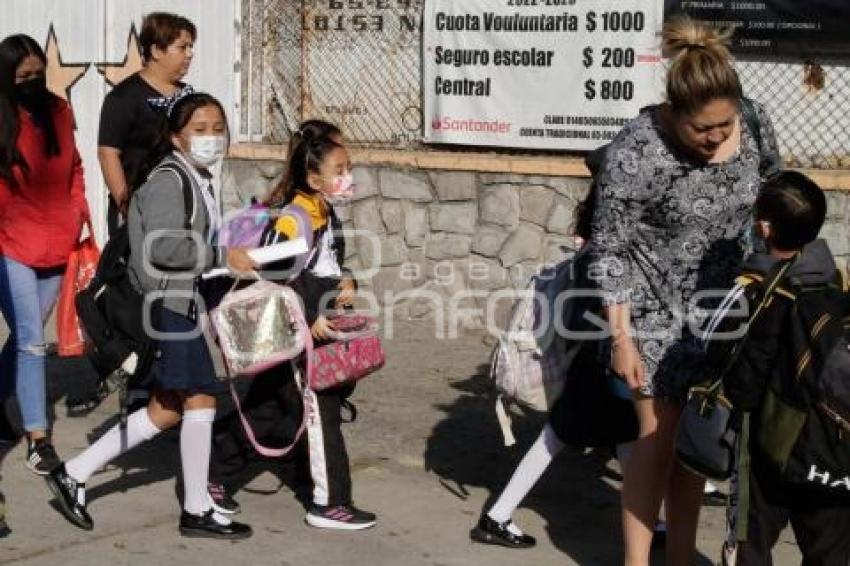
{"points": [[355, 353]]}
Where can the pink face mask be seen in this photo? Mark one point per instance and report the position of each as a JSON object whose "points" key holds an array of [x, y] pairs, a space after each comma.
{"points": [[340, 189]]}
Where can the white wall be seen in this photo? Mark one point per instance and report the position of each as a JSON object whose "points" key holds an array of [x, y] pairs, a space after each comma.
{"points": [[96, 31]]}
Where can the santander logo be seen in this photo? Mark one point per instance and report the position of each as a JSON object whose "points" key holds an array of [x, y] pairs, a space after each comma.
{"points": [[448, 124]]}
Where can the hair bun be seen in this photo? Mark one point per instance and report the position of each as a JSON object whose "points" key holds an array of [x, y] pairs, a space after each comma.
{"points": [[700, 68], [683, 34]]}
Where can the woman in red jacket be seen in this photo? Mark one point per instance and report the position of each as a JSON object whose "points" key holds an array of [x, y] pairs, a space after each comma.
{"points": [[42, 210]]}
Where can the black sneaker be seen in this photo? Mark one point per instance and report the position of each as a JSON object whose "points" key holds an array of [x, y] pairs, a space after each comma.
{"points": [[342, 517], [41, 457], [222, 501], [206, 526], [488, 531], [70, 495]]}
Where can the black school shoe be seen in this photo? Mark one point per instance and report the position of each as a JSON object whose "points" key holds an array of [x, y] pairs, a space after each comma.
{"points": [[68, 494], [488, 531], [205, 526]]}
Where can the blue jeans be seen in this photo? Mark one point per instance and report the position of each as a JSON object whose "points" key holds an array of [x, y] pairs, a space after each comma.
{"points": [[26, 297]]}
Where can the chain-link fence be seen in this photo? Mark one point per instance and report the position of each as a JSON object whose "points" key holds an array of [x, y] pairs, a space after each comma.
{"points": [[353, 62], [809, 105], [357, 63]]}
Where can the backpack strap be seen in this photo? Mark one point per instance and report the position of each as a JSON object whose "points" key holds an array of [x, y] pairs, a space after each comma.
{"points": [[748, 279], [338, 236], [187, 187], [306, 396], [774, 277], [188, 192], [742, 510]]}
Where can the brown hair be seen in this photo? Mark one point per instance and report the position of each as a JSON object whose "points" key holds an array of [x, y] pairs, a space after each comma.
{"points": [[700, 64], [162, 29]]}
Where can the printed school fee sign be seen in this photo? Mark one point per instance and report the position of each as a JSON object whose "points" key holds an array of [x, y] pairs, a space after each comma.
{"points": [[795, 28], [545, 74]]}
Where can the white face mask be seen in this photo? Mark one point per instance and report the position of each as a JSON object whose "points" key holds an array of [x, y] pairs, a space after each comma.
{"points": [[340, 190], [206, 151]]}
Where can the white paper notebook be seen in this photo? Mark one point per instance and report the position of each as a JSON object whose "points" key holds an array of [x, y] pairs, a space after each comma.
{"points": [[267, 254]]}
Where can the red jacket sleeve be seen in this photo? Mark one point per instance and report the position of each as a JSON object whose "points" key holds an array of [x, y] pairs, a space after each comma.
{"points": [[78, 187], [78, 183]]}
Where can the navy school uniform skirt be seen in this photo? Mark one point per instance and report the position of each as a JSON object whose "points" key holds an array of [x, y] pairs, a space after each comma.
{"points": [[183, 364]]}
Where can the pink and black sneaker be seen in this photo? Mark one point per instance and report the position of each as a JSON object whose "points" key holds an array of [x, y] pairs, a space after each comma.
{"points": [[220, 500], [342, 517]]}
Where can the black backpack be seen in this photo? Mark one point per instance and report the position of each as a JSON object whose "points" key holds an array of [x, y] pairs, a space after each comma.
{"points": [[112, 312], [804, 422]]}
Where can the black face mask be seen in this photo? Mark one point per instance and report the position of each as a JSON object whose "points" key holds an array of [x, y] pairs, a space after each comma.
{"points": [[38, 101], [33, 94]]}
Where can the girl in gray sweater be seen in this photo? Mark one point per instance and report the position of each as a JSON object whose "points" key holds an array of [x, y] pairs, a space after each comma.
{"points": [[165, 262]]}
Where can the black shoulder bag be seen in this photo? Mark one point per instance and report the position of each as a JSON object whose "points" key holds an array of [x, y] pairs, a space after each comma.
{"points": [[705, 443]]}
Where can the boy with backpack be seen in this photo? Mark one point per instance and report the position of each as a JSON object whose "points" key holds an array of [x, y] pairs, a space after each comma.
{"points": [[790, 386]]}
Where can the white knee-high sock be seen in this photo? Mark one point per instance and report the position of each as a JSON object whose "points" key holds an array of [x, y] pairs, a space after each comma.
{"points": [[195, 446], [532, 466], [111, 445]]}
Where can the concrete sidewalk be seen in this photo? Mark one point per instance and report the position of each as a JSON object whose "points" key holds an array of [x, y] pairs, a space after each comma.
{"points": [[426, 454]]}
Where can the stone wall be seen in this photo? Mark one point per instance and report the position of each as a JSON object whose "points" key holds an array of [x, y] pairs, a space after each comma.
{"points": [[456, 239]]}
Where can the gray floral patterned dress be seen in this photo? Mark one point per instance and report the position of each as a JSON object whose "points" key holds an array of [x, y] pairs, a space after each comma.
{"points": [[668, 235]]}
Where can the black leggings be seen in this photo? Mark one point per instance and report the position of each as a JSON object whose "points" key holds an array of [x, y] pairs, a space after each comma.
{"points": [[822, 529], [274, 408]]}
